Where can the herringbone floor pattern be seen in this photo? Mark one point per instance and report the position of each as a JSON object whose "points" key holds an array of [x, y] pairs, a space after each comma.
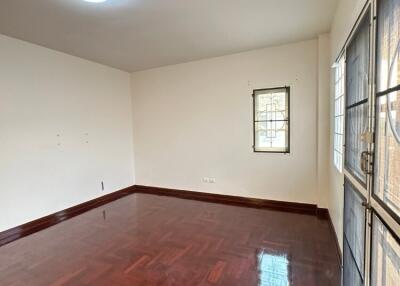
{"points": [[152, 240]]}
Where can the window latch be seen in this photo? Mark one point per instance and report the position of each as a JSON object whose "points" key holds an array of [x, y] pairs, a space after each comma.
{"points": [[364, 159], [366, 205]]}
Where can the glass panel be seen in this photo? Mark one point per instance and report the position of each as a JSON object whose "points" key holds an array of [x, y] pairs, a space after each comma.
{"points": [[387, 167], [339, 78], [351, 276], [357, 64], [356, 125], [339, 115], [354, 224], [385, 269], [388, 29], [271, 136], [272, 120], [271, 105]]}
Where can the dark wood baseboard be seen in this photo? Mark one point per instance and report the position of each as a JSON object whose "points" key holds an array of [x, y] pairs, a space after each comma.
{"points": [[311, 209], [232, 200], [20, 231], [324, 214], [339, 252], [53, 219]]}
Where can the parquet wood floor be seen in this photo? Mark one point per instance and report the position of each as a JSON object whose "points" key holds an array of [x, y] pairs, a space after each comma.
{"points": [[153, 240]]}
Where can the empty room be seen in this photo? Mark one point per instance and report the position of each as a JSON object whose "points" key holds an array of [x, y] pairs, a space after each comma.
{"points": [[210, 143]]}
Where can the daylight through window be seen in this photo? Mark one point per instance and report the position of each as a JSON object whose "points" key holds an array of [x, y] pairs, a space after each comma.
{"points": [[271, 120], [339, 115]]}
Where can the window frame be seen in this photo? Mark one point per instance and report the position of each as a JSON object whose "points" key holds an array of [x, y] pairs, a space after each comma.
{"points": [[379, 93], [340, 81], [287, 89]]}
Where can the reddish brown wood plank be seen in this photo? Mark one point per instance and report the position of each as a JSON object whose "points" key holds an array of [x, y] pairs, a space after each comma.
{"points": [[216, 272], [144, 239]]}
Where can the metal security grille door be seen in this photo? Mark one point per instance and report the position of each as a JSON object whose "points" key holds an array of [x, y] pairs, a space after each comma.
{"points": [[371, 242], [354, 230], [357, 149]]}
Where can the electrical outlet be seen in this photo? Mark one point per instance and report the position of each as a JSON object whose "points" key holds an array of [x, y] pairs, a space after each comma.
{"points": [[209, 180]]}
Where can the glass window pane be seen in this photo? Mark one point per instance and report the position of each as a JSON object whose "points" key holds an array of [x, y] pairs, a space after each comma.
{"points": [[271, 124], [340, 144], [271, 136], [387, 152], [354, 224], [388, 39], [351, 276], [385, 266], [357, 64], [271, 105], [339, 115], [356, 125]]}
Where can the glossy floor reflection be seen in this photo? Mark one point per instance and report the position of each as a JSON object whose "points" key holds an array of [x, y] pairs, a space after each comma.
{"points": [[152, 240], [273, 269]]}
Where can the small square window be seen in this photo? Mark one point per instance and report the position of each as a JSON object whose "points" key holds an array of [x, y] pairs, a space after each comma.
{"points": [[271, 120]]}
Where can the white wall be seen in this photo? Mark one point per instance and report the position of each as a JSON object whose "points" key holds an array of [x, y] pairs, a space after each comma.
{"points": [[65, 126], [323, 118], [194, 120], [191, 120], [345, 17]]}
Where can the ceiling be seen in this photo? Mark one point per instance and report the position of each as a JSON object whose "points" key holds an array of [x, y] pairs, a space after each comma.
{"points": [[134, 35]]}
